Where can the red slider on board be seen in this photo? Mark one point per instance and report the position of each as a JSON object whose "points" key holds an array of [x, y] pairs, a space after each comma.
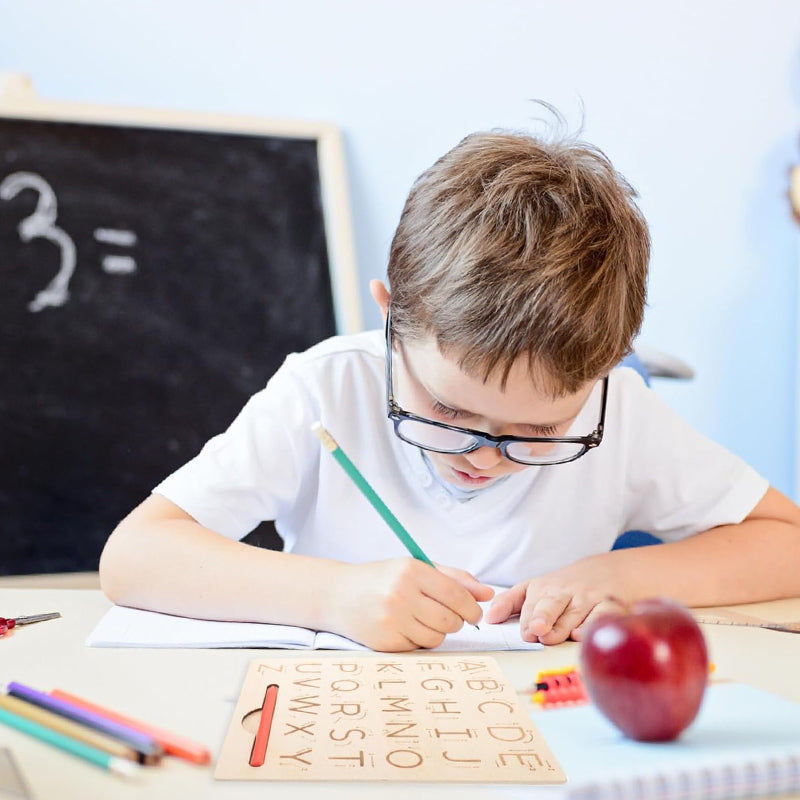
{"points": [[259, 752]]}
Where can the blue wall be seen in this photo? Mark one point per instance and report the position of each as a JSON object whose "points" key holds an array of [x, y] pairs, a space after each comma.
{"points": [[697, 103]]}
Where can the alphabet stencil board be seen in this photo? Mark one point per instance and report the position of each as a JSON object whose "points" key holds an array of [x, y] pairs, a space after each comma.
{"points": [[379, 717], [156, 268]]}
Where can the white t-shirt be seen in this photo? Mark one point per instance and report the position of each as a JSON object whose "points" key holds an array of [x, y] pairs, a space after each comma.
{"points": [[652, 472]]}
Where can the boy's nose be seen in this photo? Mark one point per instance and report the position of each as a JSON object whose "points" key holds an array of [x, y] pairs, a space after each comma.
{"points": [[484, 457]]}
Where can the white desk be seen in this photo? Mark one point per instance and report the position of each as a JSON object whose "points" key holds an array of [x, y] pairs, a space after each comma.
{"points": [[192, 692]]}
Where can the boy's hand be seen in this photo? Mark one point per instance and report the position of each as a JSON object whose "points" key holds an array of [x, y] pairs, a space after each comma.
{"points": [[555, 607], [403, 604]]}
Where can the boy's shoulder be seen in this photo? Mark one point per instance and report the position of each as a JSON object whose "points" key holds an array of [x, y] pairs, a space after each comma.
{"points": [[628, 378], [367, 346], [629, 392]]}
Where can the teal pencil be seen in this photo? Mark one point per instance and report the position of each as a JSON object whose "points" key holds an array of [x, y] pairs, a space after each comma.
{"points": [[332, 446], [120, 766], [350, 468]]}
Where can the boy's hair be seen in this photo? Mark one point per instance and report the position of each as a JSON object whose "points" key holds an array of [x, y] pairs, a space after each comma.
{"points": [[513, 246]]}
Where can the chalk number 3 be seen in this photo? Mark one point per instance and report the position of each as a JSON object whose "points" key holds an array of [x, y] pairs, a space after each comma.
{"points": [[41, 225]]}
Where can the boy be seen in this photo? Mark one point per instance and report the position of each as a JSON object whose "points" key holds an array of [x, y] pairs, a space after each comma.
{"points": [[514, 452]]}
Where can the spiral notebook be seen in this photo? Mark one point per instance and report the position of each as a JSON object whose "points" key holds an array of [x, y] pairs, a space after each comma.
{"points": [[745, 742]]}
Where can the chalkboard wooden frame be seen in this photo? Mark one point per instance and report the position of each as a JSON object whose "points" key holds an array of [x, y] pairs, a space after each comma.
{"points": [[18, 102]]}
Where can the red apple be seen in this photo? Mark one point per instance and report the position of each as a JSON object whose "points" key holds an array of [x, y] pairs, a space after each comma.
{"points": [[646, 668]]}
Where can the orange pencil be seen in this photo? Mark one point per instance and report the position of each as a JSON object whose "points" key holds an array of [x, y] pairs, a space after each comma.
{"points": [[173, 745]]}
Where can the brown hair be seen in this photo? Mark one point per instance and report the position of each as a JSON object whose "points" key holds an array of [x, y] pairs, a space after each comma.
{"points": [[509, 246]]}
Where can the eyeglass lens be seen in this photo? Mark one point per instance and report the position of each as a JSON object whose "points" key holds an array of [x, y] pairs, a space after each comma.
{"points": [[443, 440]]}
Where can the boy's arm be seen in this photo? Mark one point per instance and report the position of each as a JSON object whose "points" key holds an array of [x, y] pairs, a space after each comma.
{"points": [[162, 559], [754, 560]]}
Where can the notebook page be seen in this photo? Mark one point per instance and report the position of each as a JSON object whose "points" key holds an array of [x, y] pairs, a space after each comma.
{"points": [[132, 627], [502, 636]]}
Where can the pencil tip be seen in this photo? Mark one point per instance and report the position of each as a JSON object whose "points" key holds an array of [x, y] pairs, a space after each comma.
{"points": [[123, 767], [327, 440]]}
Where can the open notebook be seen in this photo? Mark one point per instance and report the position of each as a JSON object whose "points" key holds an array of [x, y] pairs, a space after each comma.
{"points": [[131, 627]]}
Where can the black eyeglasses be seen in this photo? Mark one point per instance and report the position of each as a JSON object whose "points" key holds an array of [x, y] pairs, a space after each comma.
{"points": [[442, 438]]}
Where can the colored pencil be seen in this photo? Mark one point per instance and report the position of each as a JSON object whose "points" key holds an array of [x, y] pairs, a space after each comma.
{"points": [[119, 766], [358, 479], [173, 744], [332, 446], [140, 741], [73, 730]]}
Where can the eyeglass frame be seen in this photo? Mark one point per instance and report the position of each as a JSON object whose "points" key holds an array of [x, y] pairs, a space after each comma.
{"points": [[397, 415]]}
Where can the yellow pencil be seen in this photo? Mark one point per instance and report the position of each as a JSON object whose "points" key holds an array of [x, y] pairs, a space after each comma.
{"points": [[73, 730]]}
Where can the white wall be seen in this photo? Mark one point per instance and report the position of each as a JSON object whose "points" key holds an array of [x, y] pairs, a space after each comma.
{"points": [[697, 103]]}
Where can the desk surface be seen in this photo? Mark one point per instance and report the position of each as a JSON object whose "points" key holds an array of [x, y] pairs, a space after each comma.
{"points": [[193, 692]]}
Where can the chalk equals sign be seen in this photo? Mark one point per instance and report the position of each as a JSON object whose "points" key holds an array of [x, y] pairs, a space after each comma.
{"points": [[112, 263]]}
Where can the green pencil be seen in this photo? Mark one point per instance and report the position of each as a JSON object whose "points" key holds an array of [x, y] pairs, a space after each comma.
{"points": [[120, 766], [332, 446], [350, 468]]}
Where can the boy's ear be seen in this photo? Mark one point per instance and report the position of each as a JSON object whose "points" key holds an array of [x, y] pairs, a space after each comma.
{"points": [[380, 294]]}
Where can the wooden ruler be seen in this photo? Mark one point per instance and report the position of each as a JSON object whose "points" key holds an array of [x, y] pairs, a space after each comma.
{"points": [[737, 618]]}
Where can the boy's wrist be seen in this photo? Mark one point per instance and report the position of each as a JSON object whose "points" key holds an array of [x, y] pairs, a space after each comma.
{"points": [[326, 598]]}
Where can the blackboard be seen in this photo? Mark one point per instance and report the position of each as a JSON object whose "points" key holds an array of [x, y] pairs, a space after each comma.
{"points": [[154, 275]]}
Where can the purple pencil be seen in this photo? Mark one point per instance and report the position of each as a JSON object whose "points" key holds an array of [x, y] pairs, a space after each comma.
{"points": [[141, 742]]}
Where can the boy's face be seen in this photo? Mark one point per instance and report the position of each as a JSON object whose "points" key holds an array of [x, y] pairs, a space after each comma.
{"points": [[432, 386]]}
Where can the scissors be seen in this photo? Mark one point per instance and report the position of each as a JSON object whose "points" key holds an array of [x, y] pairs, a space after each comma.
{"points": [[7, 624]]}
